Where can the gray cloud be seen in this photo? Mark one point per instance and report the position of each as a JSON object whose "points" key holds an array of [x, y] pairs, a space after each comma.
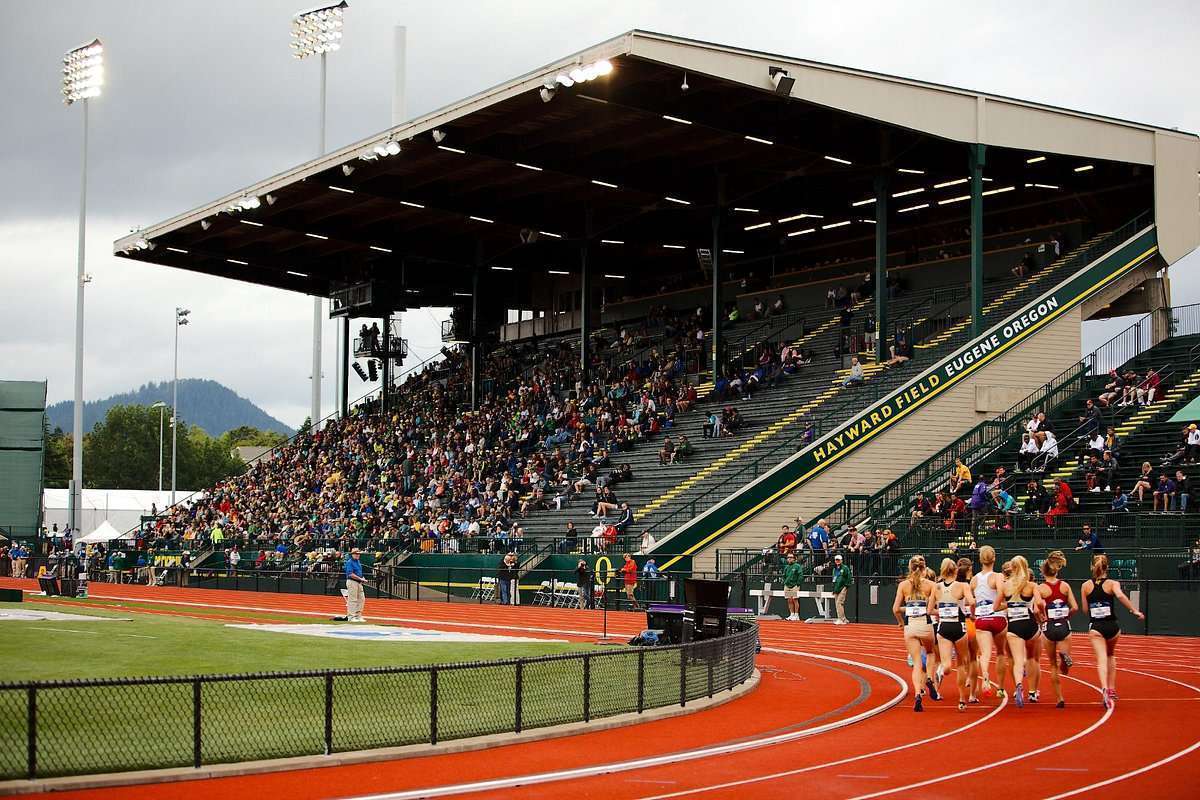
{"points": [[203, 97]]}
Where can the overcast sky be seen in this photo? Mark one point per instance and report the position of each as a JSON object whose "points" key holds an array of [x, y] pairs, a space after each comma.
{"points": [[203, 97]]}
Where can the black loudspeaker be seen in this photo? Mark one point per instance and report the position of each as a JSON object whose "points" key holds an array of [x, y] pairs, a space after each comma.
{"points": [[11, 596], [372, 370], [361, 372], [706, 613], [670, 622]]}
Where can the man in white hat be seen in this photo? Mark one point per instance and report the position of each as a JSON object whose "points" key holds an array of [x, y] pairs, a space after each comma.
{"points": [[355, 597]]}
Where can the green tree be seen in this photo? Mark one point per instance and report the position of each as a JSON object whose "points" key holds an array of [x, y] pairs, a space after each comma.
{"points": [[122, 452], [56, 472], [305, 427], [249, 436]]}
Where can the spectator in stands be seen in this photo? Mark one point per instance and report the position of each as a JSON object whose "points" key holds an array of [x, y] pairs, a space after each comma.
{"points": [[1147, 390], [1144, 482], [712, 428], [956, 509], [1090, 540], [900, 351], [1028, 452], [978, 503], [666, 455], [1193, 444], [856, 373], [1048, 453], [1094, 475], [1110, 468], [1120, 500], [1114, 390], [843, 578], [683, 450], [856, 543], [922, 509], [1164, 494], [1064, 502], [648, 542], [818, 542], [1095, 444], [787, 541], [778, 306], [1037, 501], [1004, 506], [760, 309], [570, 540], [1182, 492], [960, 477]]}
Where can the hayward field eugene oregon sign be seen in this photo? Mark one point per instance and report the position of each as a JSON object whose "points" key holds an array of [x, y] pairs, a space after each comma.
{"points": [[926, 385], [826, 451]]}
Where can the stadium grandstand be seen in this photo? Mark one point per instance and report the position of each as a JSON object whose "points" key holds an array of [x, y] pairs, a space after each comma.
{"points": [[722, 323], [694, 315]]}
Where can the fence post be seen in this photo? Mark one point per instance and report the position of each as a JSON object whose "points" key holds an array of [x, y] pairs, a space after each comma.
{"points": [[196, 723], [520, 681], [587, 687], [433, 705], [683, 654], [709, 659], [1146, 609], [328, 713], [32, 753], [641, 680]]}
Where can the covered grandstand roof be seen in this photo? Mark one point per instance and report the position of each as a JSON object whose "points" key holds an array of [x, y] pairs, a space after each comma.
{"points": [[517, 176]]}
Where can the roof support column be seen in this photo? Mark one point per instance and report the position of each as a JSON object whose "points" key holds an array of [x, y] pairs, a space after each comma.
{"points": [[977, 155], [882, 337], [475, 331], [386, 386], [344, 384], [718, 311], [585, 301]]}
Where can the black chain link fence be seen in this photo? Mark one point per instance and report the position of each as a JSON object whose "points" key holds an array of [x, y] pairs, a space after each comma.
{"points": [[56, 728]]}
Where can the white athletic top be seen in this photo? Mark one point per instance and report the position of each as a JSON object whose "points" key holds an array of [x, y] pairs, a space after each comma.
{"points": [[985, 595]]}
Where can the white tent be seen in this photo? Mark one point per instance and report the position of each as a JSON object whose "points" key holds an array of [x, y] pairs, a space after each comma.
{"points": [[124, 508], [105, 533]]}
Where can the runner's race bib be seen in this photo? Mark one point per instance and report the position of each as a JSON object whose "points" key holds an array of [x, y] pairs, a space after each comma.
{"points": [[1101, 611], [1058, 612], [948, 613], [1018, 613], [983, 608], [915, 609]]}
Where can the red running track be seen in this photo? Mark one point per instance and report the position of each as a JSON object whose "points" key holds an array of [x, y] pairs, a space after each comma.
{"points": [[1150, 745]]}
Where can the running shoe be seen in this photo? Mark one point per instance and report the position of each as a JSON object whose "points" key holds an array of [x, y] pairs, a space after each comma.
{"points": [[1065, 662], [938, 675], [917, 703], [1001, 694], [1108, 703], [1019, 695], [1060, 704], [1033, 697], [973, 701], [933, 692], [987, 689], [962, 706], [910, 661]]}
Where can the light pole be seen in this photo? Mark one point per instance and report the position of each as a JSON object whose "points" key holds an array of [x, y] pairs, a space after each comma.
{"points": [[318, 31], [160, 405], [181, 315], [83, 75]]}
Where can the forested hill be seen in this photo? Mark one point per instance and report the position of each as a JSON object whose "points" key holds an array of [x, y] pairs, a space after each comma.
{"points": [[204, 403]]}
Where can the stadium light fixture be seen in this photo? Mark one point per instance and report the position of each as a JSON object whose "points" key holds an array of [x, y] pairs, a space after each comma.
{"points": [[481, 219], [612, 241], [802, 232], [615, 277], [734, 252], [756, 226], [546, 93], [181, 319], [795, 217], [1085, 168], [530, 167], [380, 249], [604, 183], [674, 246], [558, 272], [680, 120], [318, 32], [502, 269], [451, 149], [908, 171], [950, 200], [677, 200], [912, 208], [757, 139], [583, 74], [781, 80], [1035, 160], [177, 250], [944, 184], [411, 204], [205, 224], [551, 235], [837, 160], [866, 202], [251, 222], [834, 225], [907, 192], [342, 189], [1001, 190], [438, 136], [347, 170], [83, 77], [745, 210]]}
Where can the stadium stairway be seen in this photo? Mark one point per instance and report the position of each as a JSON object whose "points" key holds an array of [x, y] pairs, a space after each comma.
{"points": [[1041, 314]]}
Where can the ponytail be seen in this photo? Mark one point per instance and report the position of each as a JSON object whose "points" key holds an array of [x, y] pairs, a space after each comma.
{"points": [[987, 556], [1099, 568], [916, 574], [1054, 563]]}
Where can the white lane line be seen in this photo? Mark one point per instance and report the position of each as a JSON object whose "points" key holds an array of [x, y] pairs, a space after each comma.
{"points": [[1019, 756], [1060, 769], [93, 633], [658, 761], [1155, 765], [828, 764], [861, 777], [326, 614]]}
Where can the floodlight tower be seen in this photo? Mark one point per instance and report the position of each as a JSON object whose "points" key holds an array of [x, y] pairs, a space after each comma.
{"points": [[181, 319], [318, 31], [83, 75]]}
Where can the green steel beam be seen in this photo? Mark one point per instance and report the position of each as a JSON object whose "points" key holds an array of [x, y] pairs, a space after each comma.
{"points": [[881, 294], [976, 159]]}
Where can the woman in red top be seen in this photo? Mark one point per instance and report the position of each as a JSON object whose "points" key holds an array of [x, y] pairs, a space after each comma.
{"points": [[629, 571]]}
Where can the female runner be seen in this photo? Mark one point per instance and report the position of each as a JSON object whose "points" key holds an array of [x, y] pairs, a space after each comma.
{"points": [[911, 609], [1060, 604], [966, 572], [946, 605], [1023, 601], [989, 624], [1098, 595]]}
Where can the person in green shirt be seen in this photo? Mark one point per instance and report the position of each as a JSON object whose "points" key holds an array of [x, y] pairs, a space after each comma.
{"points": [[842, 578], [793, 573]]}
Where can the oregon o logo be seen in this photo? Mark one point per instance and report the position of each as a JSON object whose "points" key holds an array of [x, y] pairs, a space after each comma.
{"points": [[603, 563]]}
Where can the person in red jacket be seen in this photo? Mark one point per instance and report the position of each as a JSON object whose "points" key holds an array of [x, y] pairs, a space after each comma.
{"points": [[1063, 500], [629, 573]]}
